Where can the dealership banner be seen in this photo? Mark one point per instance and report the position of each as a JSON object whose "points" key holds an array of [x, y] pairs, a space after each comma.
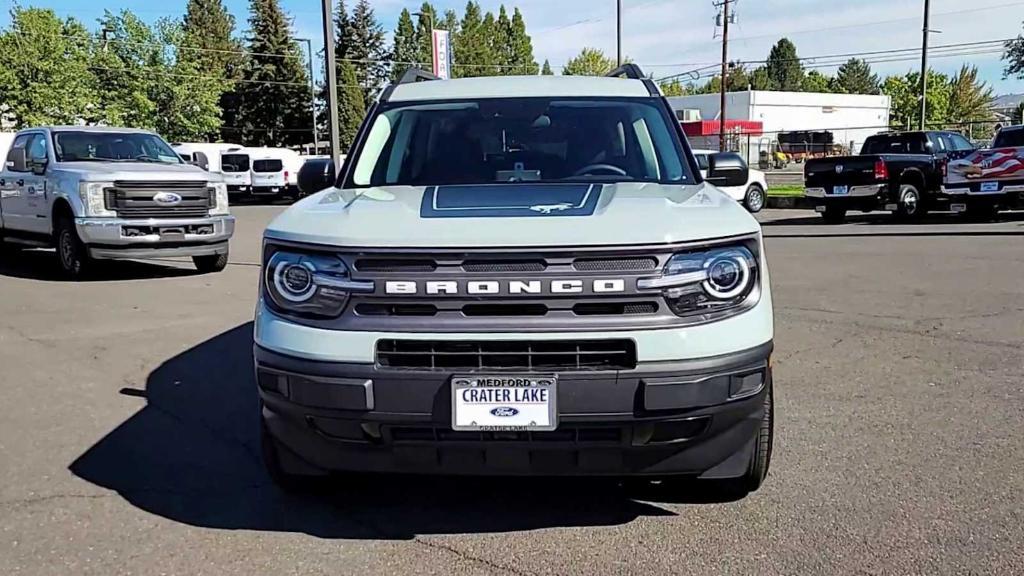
{"points": [[442, 54]]}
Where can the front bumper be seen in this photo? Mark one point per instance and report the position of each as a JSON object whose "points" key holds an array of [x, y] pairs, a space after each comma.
{"points": [[694, 417], [154, 237]]}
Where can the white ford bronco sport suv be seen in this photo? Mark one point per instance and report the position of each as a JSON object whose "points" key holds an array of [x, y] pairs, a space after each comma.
{"points": [[518, 276], [110, 193]]}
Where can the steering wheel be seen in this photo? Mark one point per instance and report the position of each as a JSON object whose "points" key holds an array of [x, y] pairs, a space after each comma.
{"points": [[595, 167]]}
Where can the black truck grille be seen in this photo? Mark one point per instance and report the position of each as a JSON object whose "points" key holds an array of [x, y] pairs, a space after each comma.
{"points": [[135, 199], [507, 355]]}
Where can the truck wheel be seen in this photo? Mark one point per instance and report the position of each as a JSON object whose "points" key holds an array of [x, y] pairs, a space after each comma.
{"points": [[834, 214], [910, 205], [211, 263], [754, 199], [71, 252]]}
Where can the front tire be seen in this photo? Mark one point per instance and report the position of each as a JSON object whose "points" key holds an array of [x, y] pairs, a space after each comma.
{"points": [[754, 200], [288, 482], [72, 254], [211, 263], [762, 457]]}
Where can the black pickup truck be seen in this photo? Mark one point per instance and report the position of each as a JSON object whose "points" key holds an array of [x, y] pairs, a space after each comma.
{"points": [[901, 172]]}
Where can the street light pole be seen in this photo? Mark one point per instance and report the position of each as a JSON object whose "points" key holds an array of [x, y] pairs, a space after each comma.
{"points": [[924, 63], [725, 74], [430, 31], [312, 93], [332, 84], [618, 33]]}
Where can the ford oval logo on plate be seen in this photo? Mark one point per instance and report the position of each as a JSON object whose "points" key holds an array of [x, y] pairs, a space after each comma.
{"points": [[504, 411], [167, 198]]}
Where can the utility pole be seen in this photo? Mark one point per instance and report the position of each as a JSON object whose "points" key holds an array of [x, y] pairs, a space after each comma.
{"points": [[332, 84], [725, 73], [924, 63], [312, 93], [618, 33]]}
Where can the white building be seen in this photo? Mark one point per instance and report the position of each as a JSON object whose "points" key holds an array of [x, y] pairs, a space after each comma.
{"points": [[849, 117]]}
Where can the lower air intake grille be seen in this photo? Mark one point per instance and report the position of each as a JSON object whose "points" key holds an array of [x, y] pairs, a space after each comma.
{"points": [[507, 355]]}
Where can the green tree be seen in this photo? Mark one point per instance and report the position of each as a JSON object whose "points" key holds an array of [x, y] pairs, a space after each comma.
{"points": [[207, 47], [186, 92], [1014, 58], [274, 107], [546, 69], [759, 79], [521, 47], [505, 58], [673, 88], [128, 66], [493, 47], [351, 105], [783, 67], [404, 50], [855, 77], [589, 62], [970, 101], [427, 18], [44, 69], [365, 47], [737, 81], [815, 81], [472, 50], [906, 102]]}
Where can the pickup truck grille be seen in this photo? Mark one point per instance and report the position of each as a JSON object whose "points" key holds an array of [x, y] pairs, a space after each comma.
{"points": [[135, 199], [507, 355]]}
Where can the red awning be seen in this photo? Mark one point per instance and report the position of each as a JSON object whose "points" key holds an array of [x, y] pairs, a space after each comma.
{"points": [[711, 127]]}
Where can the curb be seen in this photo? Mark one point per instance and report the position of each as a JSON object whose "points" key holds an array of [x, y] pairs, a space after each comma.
{"points": [[789, 203]]}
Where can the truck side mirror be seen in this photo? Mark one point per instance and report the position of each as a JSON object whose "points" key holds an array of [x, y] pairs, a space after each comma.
{"points": [[727, 169], [17, 160], [315, 175]]}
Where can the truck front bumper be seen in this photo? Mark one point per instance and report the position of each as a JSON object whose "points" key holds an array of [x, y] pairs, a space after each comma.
{"points": [[155, 237]]}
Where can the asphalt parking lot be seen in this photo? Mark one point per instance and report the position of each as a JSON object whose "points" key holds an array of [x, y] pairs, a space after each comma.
{"points": [[128, 439]]}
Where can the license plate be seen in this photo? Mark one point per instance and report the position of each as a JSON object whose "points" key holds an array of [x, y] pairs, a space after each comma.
{"points": [[275, 189], [990, 186], [840, 190], [958, 207], [505, 402], [819, 208]]}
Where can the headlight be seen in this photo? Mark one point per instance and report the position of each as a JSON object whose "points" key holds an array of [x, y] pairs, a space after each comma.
{"points": [[93, 198], [311, 284], [708, 282], [220, 206]]}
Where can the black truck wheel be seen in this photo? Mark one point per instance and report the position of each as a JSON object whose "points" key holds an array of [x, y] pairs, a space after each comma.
{"points": [[211, 263], [834, 214], [910, 205], [72, 254]]}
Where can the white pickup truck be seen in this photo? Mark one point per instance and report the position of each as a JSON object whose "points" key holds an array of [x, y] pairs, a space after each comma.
{"points": [[110, 193], [518, 276]]}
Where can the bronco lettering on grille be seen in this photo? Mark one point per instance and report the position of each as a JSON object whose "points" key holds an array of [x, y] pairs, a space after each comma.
{"points": [[513, 287]]}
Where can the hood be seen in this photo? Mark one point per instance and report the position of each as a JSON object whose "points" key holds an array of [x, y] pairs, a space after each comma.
{"points": [[109, 171], [555, 215]]}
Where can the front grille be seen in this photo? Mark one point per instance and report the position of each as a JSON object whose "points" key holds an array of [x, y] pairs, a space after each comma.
{"points": [[507, 355], [504, 266], [134, 199], [394, 265], [564, 434], [615, 264]]}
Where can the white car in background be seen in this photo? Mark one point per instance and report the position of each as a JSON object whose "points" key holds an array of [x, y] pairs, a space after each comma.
{"points": [[752, 194]]}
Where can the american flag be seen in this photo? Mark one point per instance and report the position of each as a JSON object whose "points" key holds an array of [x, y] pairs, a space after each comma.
{"points": [[1001, 163]]}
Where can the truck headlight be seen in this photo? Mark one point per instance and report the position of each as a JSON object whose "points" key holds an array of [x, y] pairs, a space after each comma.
{"points": [[310, 284], [93, 196], [710, 282], [220, 203]]}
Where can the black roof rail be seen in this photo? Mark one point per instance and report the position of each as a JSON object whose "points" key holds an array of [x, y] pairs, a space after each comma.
{"points": [[628, 70], [410, 76]]}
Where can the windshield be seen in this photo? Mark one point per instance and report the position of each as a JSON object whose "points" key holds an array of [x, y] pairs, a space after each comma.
{"points": [[112, 147], [521, 139], [894, 144], [267, 166], [234, 162], [1009, 138]]}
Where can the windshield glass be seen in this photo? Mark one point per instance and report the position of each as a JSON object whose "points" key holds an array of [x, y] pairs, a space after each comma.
{"points": [[234, 162], [112, 147], [521, 139], [267, 166], [1009, 138], [894, 144]]}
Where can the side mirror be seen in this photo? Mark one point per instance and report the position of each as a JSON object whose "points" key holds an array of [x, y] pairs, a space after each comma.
{"points": [[315, 175], [17, 161], [727, 169]]}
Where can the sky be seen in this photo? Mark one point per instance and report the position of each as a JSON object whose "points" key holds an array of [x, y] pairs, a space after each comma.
{"points": [[674, 36]]}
